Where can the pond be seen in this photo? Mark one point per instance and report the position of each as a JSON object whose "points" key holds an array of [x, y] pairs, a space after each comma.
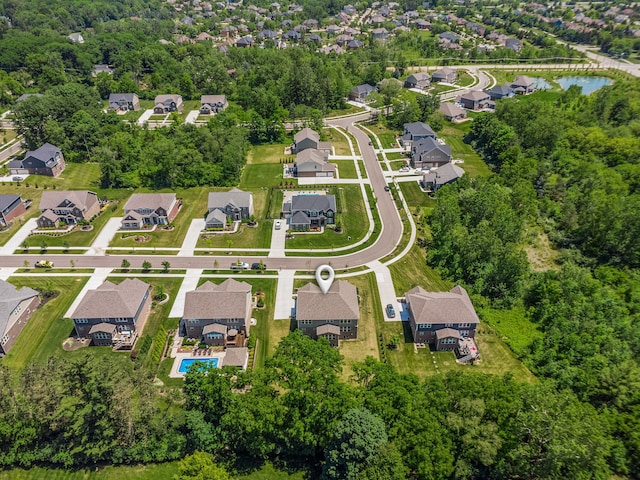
{"points": [[588, 84], [541, 83]]}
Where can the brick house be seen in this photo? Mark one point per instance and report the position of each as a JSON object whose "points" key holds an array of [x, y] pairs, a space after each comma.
{"points": [[213, 104], [70, 207], [11, 206]]}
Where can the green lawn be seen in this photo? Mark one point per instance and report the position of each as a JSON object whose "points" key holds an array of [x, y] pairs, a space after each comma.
{"points": [[269, 154], [439, 88], [338, 141], [387, 137], [46, 330], [370, 313], [349, 110], [396, 156], [415, 197], [194, 205], [261, 175], [397, 164], [412, 270], [163, 471], [247, 237], [473, 165], [513, 326], [464, 79], [6, 135], [353, 220], [346, 168], [134, 116]]}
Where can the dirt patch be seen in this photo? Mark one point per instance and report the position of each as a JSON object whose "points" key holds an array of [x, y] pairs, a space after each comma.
{"points": [[86, 228], [141, 238], [72, 343]]}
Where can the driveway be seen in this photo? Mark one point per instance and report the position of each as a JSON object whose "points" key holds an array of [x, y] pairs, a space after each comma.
{"points": [[192, 116], [14, 242], [278, 239], [191, 239], [386, 290], [145, 117], [285, 304], [101, 243], [189, 284]]}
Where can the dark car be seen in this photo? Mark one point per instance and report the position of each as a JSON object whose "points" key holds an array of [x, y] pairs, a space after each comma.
{"points": [[391, 313], [258, 266], [387, 188]]}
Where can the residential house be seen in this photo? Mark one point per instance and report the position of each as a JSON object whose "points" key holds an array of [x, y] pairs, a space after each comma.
{"points": [[219, 315], [334, 30], [416, 131], [441, 319], [523, 85], [452, 112], [246, 41], [449, 37], [123, 102], [68, 207], [310, 211], [500, 91], [422, 24], [313, 163], [380, 33], [167, 104], [46, 160], [333, 315], [476, 100], [420, 80], [428, 152], [113, 315], [292, 35], [76, 38], [361, 92], [213, 104], [441, 176], [513, 44], [308, 138], [234, 204], [354, 44], [16, 307], [150, 209], [204, 37], [445, 75], [101, 68], [11, 206]]}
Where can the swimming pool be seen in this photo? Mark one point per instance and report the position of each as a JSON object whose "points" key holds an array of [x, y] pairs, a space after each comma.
{"points": [[185, 363]]}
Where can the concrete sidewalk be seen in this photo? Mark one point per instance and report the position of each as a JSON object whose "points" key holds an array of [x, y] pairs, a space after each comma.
{"points": [[95, 280], [189, 283], [386, 290], [145, 117], [101, 243], [20, 236], [285, 304], [191, 238], [6, 272]]}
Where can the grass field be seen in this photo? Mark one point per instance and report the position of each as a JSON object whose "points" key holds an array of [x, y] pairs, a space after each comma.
{"points": [[396, 156], [415, 197], [269, 154], [46, 330], [349, 110], [512, 326], [473, 165], [412, 270], [338, 141], [194, 205], [387, 137], [353, 220], [346, 168], [370, 313], [261, 175]]}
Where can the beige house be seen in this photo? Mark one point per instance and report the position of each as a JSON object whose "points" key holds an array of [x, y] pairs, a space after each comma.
{"points": [[16, 307], [113, 315], [220, 315], [313, 163], [167, 104], [333, 315], [441, 319], [213, 104], [67, 206], [308, 138], [150, 209]]}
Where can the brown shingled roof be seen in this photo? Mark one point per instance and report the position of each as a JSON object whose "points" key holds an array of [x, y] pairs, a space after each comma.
{"points": [[227, 300], [112, 301], [441, 307], [339, 303]]}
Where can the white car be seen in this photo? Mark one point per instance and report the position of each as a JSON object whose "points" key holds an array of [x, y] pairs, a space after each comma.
{"points": [[278, 224], [239, 266]]}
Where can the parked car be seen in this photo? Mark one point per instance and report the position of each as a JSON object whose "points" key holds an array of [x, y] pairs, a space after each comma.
{"points": [[386, 188], [44, 264], [391, 313], [239, 266], [17, 179], [371, 143], [258, 266], [278, 224]]}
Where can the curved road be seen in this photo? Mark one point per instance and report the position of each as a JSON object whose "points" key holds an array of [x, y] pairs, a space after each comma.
{"points": [[385, 244]]}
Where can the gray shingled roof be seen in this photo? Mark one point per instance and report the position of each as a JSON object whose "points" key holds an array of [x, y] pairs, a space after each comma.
{"points": [[111, 301], [235, 357], [444, 174], [300, 218], [313, 202], [426, 145], [234, 196], [364, 88], [475, 96], [522, 81], [218, 215], [172, 97], [116, 97], [438, 308], [10, 298], [45, 153], [418, 129], [310, 155], [306, 133], [6, 200], [80, 198], [227, 300], [151, 201], [339, 303]]}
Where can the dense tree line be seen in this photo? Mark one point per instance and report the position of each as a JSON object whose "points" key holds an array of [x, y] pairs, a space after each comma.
{"points": [[569, 167], [384, 425]]}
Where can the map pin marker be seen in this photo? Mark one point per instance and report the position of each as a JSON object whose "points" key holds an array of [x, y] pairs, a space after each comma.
{"points": [[324, 284]]}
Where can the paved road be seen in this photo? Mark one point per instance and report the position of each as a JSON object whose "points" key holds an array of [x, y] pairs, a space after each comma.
{"points": [[385, 244], [9, 152]]}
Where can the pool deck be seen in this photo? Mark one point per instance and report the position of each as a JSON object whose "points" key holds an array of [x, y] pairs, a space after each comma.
{"points": [[178, 357]]}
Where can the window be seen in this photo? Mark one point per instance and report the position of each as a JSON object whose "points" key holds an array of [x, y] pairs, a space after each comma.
{"points": [[424, 326], [345, 329], [102, 336], [214, 335], [4, 340], [345, 322], [81, 320], [464, 333], [448, 325], [464, 325], [16, 311], [448, 341], [122, 320], [194, 320], [306, 322]]}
